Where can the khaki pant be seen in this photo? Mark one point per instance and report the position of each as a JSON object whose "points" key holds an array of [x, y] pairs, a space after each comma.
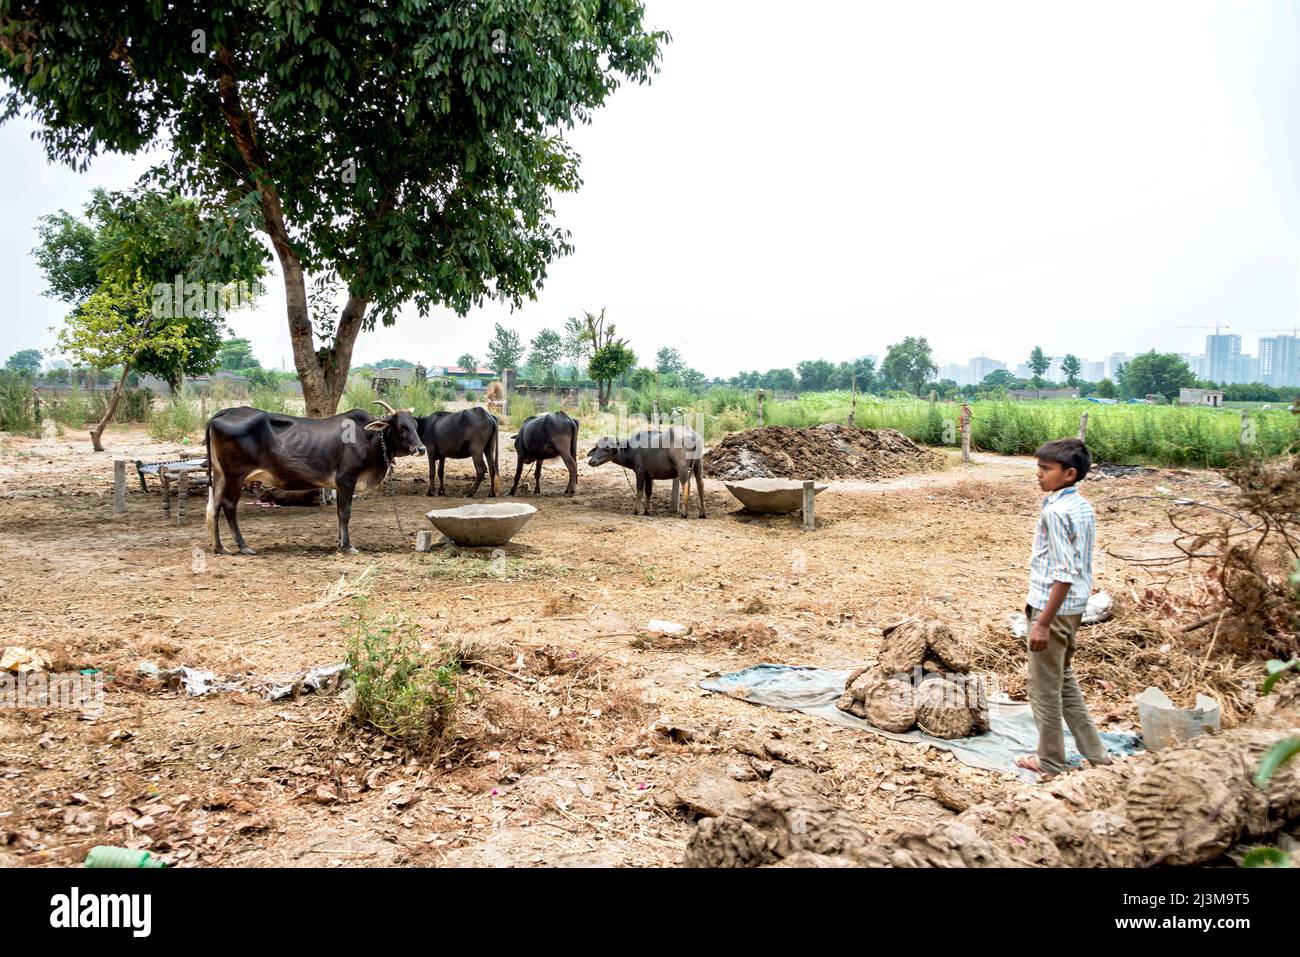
{"points": [[1054, 694]]}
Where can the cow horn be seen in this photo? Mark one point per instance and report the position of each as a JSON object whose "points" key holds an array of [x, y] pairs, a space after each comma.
{"points": [[391, 410]]}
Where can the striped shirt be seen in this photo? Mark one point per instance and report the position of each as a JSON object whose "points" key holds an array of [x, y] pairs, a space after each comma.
{"points": [[1063, 551]]}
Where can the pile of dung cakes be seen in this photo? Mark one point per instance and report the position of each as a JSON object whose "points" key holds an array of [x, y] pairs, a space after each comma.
{"points": [[829, 451], [923, 680]]}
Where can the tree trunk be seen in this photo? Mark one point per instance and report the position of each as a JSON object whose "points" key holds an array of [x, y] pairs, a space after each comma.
{"points": [[98, 431], [323, 373]]}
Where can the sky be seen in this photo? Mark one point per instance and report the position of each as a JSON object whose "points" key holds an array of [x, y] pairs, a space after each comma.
{"points": [[820, 180]]}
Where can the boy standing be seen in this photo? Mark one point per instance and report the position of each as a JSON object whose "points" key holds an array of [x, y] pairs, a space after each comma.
{"points": [[1060, 581]]}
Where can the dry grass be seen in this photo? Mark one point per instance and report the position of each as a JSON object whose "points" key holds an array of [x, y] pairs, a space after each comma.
{"points": [[1117, 659]]}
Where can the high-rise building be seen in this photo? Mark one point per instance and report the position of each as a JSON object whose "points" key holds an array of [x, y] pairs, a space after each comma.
{"points": [[1279, 360], [1223, 357], [1113, 362], [954, 372], [981, 366], [1093, 371]]}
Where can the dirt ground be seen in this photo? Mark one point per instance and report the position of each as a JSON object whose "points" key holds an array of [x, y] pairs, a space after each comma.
{"points": [[578, 727]]}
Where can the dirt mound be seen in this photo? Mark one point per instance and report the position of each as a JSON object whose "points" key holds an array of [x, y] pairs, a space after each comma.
{"points": [[826, 451]]}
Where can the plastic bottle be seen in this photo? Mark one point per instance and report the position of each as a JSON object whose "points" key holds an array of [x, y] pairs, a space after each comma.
{"points": [[104, 856]]}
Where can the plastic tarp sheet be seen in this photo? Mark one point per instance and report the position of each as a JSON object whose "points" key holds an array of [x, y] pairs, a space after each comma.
{"points": [[815, 690]]}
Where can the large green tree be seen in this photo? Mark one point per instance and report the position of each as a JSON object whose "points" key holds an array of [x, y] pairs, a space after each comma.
{"points": [[504, 350], [407, 150], [25, 362], [1070, 366], [668, 361], [545, 351], [577, 347], [909, 364], [237, 354], [1156, 373], [1039, 363], [150, 243], [611, 357]]}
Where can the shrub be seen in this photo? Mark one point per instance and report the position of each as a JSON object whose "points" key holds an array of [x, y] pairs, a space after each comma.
{"points": [[177, 419], [17, 404], [400, 689], [418, 396], [359, 394], [521, 407], [268, 400]]}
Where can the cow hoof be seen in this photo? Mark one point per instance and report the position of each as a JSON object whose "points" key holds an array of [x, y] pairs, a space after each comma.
{"points": [[349, 551], [247, 551], [431, 492]]}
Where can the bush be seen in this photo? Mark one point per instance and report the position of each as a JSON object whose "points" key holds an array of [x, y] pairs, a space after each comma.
{"points": [[135, 406], [400, 689], [74, 409], [268, 400], [176, 420], [730, 420], [418, 396], [521, 407], [359, 394], [17, 404]]}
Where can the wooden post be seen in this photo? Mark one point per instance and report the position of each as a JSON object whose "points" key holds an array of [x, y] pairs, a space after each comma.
{"points": [[166, 492], [1083, 427], [853, 401], [963, 422], [119, 486], [809, 494], [760, 408], [677, 494], [183, 488]]}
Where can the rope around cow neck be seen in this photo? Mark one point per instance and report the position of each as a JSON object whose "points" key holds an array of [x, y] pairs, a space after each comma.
{"points": [[387, 482]]}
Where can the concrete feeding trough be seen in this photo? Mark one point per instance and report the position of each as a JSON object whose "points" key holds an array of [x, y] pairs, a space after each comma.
{"points": [[481, 525], [771, 496]]}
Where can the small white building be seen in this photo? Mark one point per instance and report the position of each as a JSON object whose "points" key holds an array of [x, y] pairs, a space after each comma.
{"points": [[1210, 397]]}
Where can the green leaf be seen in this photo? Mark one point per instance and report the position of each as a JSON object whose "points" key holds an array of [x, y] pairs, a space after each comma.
{"points": [[1266, 857], [1276, 669], [1278, 755]]}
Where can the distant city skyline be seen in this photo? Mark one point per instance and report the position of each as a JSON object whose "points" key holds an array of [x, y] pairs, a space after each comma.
{"points": [[1223, 360]]}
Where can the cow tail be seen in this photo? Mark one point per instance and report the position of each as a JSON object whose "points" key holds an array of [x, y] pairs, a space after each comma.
{"points": [[495, 469], [573, 443], [210, 513]]}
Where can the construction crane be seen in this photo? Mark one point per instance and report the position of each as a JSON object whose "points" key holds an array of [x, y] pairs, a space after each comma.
{"points": [[1216, 327], [1294, 330]]}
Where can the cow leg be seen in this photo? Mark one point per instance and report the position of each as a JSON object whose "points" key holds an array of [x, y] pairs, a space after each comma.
{"points": [[649, 490], [640, 487], [519, 470], [698, 468], [433, 468], [216, 508], [345, 515], [572, 466], [480, 470], [442, 476], [229, 506], [684, 480], [537, 481]]}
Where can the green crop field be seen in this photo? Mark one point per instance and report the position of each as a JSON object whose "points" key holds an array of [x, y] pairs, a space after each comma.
{"points": [[1162, 435]]}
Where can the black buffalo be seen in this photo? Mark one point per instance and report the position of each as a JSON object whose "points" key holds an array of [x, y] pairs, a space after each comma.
{"points": [[675, 453], [548, 436], [471, 434], [348, 452]]}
